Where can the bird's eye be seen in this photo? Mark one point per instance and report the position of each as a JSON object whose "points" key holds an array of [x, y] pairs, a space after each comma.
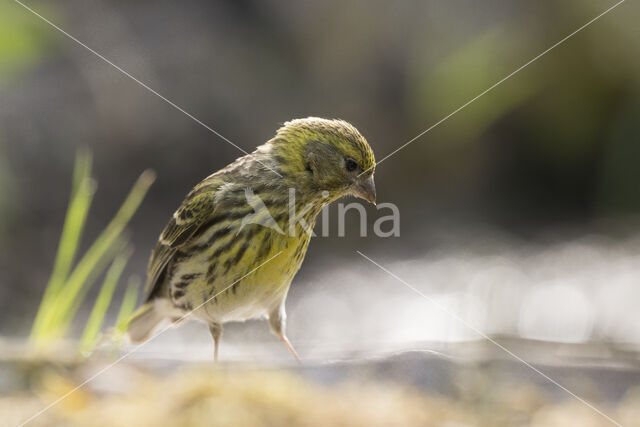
{"points": [[350, 165]]}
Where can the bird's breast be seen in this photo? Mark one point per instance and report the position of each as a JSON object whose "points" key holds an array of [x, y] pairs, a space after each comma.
{"points": [[242, 275]]}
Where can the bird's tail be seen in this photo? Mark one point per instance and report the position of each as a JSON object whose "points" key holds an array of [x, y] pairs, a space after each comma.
{"points": [[143, 322]]}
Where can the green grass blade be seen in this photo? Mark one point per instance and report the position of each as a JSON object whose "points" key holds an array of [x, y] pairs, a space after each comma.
{"points": [[68, 300], [82, 168], [96, 318], [56, 322], [126, 309], [64, 323], [83, 189]]}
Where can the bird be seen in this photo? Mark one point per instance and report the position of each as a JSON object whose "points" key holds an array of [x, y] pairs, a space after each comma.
{"points": [[231, 250]]}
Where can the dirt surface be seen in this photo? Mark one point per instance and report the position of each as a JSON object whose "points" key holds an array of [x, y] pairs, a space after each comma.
{"points": [[412, 388]]}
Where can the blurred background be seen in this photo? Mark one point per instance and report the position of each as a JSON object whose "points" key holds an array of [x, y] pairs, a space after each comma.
{"points": [[519, 213]]}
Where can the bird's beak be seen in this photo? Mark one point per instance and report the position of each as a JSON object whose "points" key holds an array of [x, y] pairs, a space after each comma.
{"points": [[365, 189]]}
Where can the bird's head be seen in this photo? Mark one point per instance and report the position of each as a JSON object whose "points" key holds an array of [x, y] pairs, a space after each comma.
{"points": [[325, 155]]}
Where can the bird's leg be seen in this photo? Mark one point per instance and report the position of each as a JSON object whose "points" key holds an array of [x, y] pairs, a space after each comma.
{"points": [[216, 333], [277, 320], [286, 342]]}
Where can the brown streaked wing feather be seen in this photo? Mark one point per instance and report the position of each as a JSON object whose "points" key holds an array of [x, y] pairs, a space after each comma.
{"points": [[157, 264], [196, 209]]}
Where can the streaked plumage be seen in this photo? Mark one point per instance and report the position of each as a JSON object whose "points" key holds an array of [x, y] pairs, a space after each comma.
{"points": [[237, 221]]}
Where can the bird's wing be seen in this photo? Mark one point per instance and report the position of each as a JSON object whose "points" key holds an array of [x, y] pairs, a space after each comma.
{"points": [[197, 208]]}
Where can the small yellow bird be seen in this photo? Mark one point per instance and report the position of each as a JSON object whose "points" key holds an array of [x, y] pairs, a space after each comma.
{"points": [[231, 250]]}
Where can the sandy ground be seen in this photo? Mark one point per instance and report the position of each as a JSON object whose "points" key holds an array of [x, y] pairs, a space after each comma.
{"points": [[410, 388]]}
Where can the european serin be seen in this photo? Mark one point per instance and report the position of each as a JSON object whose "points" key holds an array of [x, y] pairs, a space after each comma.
{"points": [[231, 250]]}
